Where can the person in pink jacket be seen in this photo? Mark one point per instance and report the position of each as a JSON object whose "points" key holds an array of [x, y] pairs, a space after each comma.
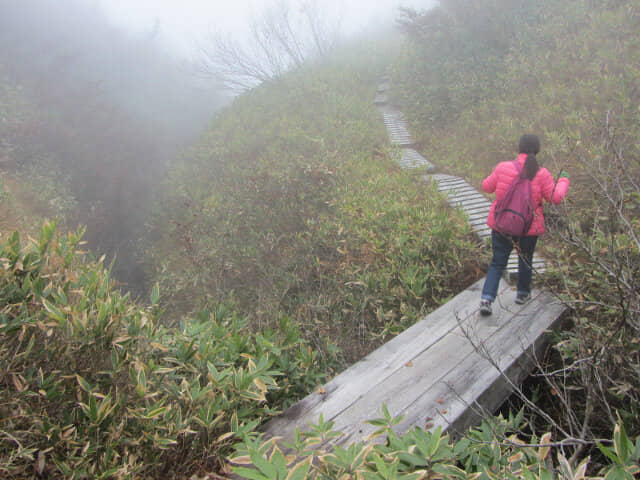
{"points": [[543, 187]]}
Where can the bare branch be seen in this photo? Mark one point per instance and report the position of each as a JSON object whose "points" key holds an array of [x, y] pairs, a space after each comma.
{"points": [[278, 40]]}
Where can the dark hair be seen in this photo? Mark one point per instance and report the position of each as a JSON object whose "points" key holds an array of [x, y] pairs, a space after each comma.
{"points": [[530, 144]]}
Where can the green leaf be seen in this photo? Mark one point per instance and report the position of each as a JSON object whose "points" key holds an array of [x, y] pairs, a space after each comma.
{"points": [[608, 452], [263, 465], [54, 312], [621, 443], [618, 472], [83, 384], [300, 471], [249, 473], [155, 294]]}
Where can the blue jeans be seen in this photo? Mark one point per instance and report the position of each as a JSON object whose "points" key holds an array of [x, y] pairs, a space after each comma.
{"points": [[502, 247]]}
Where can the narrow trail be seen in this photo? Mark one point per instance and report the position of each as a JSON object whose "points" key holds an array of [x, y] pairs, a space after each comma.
{"points": [[460, 194], [453, 366]]}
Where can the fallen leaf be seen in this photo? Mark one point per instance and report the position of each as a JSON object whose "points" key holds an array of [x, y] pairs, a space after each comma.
{"points": [[40, 462], [322, 391], [440, 400], [443, 411], [408, 364]]}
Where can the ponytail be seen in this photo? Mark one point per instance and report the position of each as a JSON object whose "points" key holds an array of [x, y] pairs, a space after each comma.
{"points": [[530, 166], [529, 144]]}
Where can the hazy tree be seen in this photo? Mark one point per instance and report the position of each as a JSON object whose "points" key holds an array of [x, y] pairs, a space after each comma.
{"points": [[110, 110], [280, 38]]}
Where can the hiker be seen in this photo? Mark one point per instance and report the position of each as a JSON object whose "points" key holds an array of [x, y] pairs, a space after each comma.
{"points": [[542, 186]]}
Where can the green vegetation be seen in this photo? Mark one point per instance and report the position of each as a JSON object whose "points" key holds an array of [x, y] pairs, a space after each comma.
{"points": [[493, 451], [94, 387], [291, 205], [287, 244]]}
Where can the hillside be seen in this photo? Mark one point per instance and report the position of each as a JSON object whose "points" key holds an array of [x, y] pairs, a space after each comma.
{"points": [[291, 205], [286, 243]]}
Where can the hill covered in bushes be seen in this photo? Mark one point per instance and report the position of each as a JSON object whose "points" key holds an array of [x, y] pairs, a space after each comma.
{"points": [[287, 243]]}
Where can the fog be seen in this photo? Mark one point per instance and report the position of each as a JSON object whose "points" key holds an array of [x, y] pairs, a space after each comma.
{"points": [[113, 107], [182, 25], [118, 97]]}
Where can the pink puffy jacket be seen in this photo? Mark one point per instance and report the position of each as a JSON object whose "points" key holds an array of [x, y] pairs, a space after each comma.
{"points": [[542, 187]]}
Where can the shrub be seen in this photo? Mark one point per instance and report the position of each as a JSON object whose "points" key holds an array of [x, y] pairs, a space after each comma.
{"points": [[93, 387], [493, 451]]}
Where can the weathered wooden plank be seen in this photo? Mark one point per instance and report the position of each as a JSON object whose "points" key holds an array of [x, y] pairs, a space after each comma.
{"points": [[445, 182], [410, 158], [453, 190], [381, 99], [459, 194], [479, 223], [440, 361], [362, 377], [465, 198], [444, 380], [483, 233], [483, 384], [480, 216], [462, 203], [477, 207]]}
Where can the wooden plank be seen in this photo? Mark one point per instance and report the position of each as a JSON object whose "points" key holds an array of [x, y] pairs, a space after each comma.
{"points": [[424, 390], [477, 217], [480, 206], [461, 190], [481, 383], [470, 196], [466, 198], [364, 376], [464, 202], [412, 159], [401, 391], [450, 187], [451, 181], [463, 187], [444, 177], [380, 99], [483, 233], [481, 222]]}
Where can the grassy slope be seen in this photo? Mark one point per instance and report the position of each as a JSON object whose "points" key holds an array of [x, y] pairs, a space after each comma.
{"points": [[565, 69], [291, 205]]}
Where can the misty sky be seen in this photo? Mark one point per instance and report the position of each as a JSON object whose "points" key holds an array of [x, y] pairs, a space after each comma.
{"points": [[182, 23]]}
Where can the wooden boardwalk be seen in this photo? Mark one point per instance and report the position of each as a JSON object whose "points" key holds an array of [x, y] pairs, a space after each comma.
{"points": [[461, 194], [453, 366], [446, 370]]}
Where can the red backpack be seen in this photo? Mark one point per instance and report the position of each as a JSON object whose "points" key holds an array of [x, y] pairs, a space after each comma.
{"points": [[514, 212]]}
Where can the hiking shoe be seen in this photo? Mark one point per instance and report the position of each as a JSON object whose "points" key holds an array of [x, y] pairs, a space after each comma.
{"points": [[522, 298], [485, 308]]}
